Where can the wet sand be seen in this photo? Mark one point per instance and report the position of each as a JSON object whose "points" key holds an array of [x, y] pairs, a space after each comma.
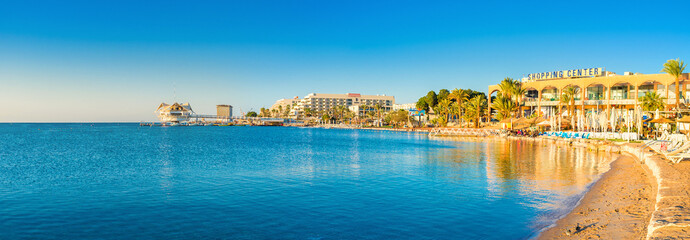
{"points": [[618, 206]]}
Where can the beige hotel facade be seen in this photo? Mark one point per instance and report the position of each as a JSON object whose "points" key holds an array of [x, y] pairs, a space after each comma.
{"points": [[598, 89], [326, 101]]}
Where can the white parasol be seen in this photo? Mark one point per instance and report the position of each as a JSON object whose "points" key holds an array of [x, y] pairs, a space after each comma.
{"points": [[613, 120]]}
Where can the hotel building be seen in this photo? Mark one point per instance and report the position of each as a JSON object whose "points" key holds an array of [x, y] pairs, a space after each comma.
{"points": [[324, 102], [285, 103], [597, 89]]}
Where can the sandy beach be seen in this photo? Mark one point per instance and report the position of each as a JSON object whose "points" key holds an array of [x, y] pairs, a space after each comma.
{"points": [[618, 206]]}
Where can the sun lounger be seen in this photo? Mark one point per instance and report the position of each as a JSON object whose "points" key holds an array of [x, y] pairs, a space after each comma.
{"points": [[678, 157], [679, 153]]}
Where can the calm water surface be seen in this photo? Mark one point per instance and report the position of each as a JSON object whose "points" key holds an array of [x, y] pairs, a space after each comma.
{"points": [[122, 181]]}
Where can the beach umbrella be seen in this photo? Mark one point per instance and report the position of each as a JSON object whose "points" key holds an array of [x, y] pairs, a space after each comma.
{"points": [[639, 119], [604, 121], [507, 120], [662, 120], [613, 120], [560, 120], [684, 119], [683, 123], [597, 120], [535, 121], [588, 121], [521, 120]]}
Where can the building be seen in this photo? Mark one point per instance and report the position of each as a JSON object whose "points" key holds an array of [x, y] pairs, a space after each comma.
{"points": [[597, 90], [174, 113], [224, 111], [406, 106], [284, 104], [356, 102]]}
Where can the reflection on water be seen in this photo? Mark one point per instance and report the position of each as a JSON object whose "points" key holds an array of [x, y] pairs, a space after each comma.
{"points": [[562, 173], [104, 181], [543, 166]]}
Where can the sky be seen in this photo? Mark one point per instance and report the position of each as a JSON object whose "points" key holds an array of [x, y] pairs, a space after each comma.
{"points": [[116, 61]]}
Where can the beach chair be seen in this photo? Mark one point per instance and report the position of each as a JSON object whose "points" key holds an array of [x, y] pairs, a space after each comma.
{"points": [[679, 157], [679, 154]]}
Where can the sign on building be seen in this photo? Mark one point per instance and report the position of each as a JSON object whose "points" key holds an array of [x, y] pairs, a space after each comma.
{"points": [[585, 72]]}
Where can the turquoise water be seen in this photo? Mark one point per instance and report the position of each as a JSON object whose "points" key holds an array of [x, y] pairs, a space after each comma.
{"points": [[122, 181]]}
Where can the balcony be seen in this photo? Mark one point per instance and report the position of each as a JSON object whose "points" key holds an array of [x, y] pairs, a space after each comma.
{"points": [[534, 103], [623, 101]]}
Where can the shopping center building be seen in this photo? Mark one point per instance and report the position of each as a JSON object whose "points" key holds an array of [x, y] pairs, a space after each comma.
{"points": [[597, 89]]}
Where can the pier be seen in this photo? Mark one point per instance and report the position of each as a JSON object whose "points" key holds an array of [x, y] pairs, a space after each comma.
{"points": [[215, 120]]}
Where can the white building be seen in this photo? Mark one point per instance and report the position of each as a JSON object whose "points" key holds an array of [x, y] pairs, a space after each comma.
{"points": [[354, 101], [175, 112], [285, 103], [406, 106]]}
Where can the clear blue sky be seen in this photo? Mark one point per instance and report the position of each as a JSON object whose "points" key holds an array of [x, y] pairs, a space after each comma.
{"points": [[116, 61]]}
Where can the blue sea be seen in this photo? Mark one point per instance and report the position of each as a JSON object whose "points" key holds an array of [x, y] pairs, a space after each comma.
{"points": [[123, 181]]}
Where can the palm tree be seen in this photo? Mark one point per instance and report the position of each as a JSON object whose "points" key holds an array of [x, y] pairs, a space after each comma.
{"points": [[460, 96], [571, 92], [507, 86], [339, 112], [504, 107], [512, 89], [476, 106], [286, 112], [364, 109], [308, 112], [453, 110], [442, 108], [565, 98], [518, 92], [378, 112], [675, 68], [651, 101]]}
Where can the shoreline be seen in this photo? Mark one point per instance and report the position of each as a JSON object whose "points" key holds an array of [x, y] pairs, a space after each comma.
{"points": [[618, 205], [661, 187]]}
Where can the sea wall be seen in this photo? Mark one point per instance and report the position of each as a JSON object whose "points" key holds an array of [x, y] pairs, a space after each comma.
{"points": [[671, 217]]}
